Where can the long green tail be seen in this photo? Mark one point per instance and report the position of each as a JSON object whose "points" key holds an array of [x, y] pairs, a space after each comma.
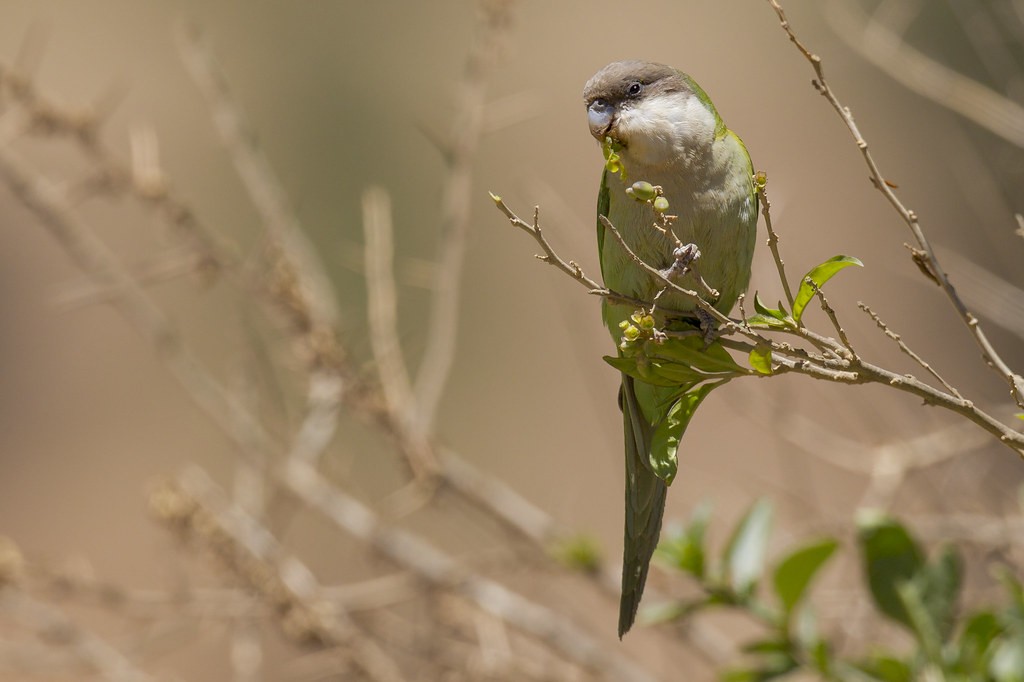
{"points": [[645, 506]]}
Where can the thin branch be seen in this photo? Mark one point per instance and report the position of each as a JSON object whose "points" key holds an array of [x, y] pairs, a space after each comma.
{"points": [[433, 565], [992, 358], [195, 506], [844, 368], [383, 302], [918, 72], [657, 274], [49, 621], [831, 314], [550, 257], [39, 114], [93, 256], [456, 200], [265, 191], [906, 349], [760, 183]]}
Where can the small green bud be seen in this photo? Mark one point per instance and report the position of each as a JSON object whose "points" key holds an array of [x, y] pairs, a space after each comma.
{"points": [[647, 323], [661, 204], [642, 191], [623, 324], [631, 333]]}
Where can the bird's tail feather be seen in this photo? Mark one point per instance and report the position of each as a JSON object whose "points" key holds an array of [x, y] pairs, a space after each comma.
{"points": [[645, 506]]}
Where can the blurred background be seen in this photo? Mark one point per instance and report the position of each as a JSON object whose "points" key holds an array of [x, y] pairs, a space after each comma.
{"points": [[341, 97]]}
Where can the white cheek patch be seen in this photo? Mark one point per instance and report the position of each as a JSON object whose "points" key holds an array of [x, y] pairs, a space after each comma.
{"points": [[659, 129]]}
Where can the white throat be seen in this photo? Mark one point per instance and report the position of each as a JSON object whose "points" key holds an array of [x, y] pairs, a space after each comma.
{"points": [[673, 130]]}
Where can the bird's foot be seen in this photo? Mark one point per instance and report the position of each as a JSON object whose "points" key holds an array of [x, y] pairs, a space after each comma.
{"points": [[684, 256]]}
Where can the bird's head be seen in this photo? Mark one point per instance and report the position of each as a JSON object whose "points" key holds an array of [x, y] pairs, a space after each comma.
{"points": [[658, 115]]}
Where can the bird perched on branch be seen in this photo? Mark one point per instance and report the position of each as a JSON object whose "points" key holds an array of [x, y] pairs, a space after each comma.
{"points": [[678, 187]]}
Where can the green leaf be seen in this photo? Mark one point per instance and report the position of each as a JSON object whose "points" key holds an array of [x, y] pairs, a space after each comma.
{"points": [[691, 352], [819, 275], [579, 553], [670, 374], [794, 573], [669, 432], [684, 550], [769, 668], [767, 322], [761, 359], [777, 313], [642, 369], [767, 646], [670, 611], [941, 581], [921, 620], [978, 634], [887, 668], [744, 555], [891, 558]]}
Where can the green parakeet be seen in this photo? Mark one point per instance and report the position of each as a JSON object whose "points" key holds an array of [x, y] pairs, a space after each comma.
{"points": [[664, 130]]}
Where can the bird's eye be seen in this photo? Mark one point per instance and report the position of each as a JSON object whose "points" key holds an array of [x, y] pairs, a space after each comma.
{"points": [[634, 89]]}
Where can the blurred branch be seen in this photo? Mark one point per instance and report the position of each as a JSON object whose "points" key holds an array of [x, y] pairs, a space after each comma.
{"points": [[883, 45], [52, 625], [38, 114], [383, 304], [468, 122], [196, 507], [265, 191], [433, 565], [93, 256]]}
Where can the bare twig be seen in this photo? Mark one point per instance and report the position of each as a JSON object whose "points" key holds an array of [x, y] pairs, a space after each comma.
{"points": [[433, 565], [913, 69], [50, 622], [831, 314], [40, 114], [195, 506], [992, 358], [843, 367], [657, 274], [550, 257], [760, 183], [382, 303], [906, 349], [455, 207], [132, 301], [264, 189]]}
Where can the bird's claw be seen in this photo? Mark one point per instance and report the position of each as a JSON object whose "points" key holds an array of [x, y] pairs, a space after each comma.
{"points": [[684, 256]]}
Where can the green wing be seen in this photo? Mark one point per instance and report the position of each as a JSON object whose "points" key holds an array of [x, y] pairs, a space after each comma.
{"points": [[603, 202]]}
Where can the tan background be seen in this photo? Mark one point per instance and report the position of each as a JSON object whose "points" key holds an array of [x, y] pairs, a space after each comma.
{"points": [[338, 92]]}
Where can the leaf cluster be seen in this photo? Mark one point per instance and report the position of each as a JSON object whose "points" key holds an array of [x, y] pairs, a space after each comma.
{"points": [[906, 587]]}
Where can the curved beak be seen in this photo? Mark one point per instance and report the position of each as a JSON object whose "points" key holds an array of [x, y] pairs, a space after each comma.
{"points": [[601, 117]]}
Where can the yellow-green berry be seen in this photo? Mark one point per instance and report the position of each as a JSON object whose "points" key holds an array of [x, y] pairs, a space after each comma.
{"points": [[661, 204], [642, 191]]}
